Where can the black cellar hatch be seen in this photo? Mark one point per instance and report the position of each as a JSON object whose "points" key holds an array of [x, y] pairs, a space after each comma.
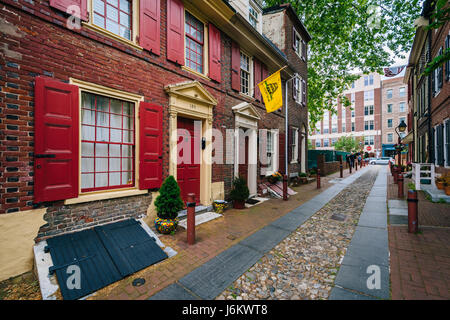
{"points": [[104, 254]]}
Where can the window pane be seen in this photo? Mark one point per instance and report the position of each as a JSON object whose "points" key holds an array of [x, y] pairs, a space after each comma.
{"points": [[99, 7], [87, 181], [114, 164], [101, 180], [87, 149], [112, 26]]}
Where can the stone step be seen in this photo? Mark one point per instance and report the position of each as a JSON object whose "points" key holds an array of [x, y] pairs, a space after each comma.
{"points": [[198, 210], [201, 218]]}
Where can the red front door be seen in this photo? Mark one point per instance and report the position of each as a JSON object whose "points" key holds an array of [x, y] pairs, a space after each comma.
{"points": [[243, 162], [188, 168]]}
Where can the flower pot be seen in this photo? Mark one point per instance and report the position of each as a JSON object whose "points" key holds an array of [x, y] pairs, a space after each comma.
{"points": [[447, 190], [440, 185], [166, 226], [239, 204], [219, 206]]}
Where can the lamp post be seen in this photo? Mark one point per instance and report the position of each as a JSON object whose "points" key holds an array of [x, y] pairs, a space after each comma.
{"points": [[399, 130]]}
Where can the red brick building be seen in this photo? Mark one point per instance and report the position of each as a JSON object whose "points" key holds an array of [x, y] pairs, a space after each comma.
{"points": [[429, 96], [93, 111]]}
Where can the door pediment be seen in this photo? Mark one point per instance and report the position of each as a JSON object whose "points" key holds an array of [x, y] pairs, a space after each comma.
{"points": [[192, 91], [247, 110]]}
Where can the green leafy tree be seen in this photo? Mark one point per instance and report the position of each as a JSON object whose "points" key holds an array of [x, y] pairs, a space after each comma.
{"points": [[440, 14], [169, 202], [349, 35], [348, 144]]}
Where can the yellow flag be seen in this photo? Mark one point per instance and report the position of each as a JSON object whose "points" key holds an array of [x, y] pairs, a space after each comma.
{"points": [[271, 92]]}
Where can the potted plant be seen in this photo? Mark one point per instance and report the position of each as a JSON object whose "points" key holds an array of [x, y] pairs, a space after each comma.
{"points": [[440, 183], [219, 206], [274, 177], [303, 177], [447, 185], [168, 204], [240, 193]]}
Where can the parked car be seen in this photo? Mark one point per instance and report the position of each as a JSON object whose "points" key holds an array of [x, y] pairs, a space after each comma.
{"points": [[382, 160]]}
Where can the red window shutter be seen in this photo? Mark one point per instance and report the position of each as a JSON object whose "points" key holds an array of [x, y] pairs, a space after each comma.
{"points": [[235, 66], [63, 5], [56, 150], [214, 53], [149, 28], [175, 31], [264, 72], [257, 66], [150, 145]]}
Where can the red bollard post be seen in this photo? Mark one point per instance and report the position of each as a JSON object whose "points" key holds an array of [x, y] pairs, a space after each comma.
{"points": [[318, 178], [400, 185], [395, 175], [191, 219], [413, 221], [285, 187]]}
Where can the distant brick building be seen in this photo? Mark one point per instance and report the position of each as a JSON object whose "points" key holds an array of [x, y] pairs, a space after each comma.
{"points": [[362, 121], [394, 110]]}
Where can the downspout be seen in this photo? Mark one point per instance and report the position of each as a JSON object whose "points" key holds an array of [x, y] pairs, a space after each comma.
{"points": [[430, 95]]}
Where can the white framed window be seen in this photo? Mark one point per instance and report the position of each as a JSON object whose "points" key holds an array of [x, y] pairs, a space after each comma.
{"points": [[390, 137], [368, 125], [294, 145], [115, 16], [326, 142], [368, 110], [253, 16], [318, 143], [298, 88], [368, 80], [334, 127], [402, 92], [246, 74], [352, 97], [389, 94], [389, 123], [368, 140], [389, 108], [402, 107], [298, 44], [368, 95], [343, 127], [353, 126]]}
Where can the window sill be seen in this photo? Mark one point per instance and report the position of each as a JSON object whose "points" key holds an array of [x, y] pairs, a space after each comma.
{"points": [[195, 72], [112, 35], [105, 196]]}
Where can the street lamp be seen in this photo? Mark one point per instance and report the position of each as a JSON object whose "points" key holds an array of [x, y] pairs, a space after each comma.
{"points": [[399, 130]]}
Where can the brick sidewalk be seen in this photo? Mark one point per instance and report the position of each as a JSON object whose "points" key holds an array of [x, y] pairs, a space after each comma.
{"points": [[211, 239], [420, 263], [430, 213]]}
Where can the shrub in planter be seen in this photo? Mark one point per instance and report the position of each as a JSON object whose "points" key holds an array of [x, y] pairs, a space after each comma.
{"points": [[168, 204], [240, 193], [303, 177]]}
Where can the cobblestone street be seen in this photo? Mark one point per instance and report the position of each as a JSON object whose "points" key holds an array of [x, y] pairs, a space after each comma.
{"points": [[305, 264]]}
